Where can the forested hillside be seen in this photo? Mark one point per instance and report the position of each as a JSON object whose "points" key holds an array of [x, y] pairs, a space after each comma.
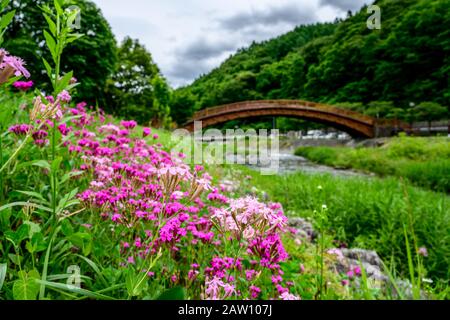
{"points": [[385, 73]]}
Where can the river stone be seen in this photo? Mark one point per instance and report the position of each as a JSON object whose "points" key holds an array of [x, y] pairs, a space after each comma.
{"points": [[350, 258], [304, 228], [370, 261]]}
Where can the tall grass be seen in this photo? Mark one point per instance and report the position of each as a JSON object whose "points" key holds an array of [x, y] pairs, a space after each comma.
{"points": [[423, 161], [370, 213]]}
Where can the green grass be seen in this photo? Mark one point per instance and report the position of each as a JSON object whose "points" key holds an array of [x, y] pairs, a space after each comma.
{"points": [[423, 161], [370, 213]]}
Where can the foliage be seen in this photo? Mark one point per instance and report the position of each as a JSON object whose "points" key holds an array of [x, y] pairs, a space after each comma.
{"points": [[5, 19], [369, 213], [247, 74], [345, 62], [423, 161], [92, 58], [136, 89], [430, 111], [92, 207]]}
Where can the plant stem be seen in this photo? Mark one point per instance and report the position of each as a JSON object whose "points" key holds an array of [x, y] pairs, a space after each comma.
{"points": [[54, 170], [1, 162], [15, 152], [321, 261], [44, 271]]}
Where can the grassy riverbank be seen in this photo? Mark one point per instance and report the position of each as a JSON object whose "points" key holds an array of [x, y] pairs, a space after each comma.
{"points": [[423, 161], [367, 213]]}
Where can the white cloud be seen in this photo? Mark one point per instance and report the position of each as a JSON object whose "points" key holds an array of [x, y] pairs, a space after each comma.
{"points": [[190, 37]]}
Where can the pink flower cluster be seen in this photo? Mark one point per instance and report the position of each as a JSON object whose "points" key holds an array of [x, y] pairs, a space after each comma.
{"points": [[12, 65], [41, 115], [153, 202], [248, 218], [20, 129], [23, 85]]}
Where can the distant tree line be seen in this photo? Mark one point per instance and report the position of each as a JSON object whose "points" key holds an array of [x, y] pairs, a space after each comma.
{"points": [[401, 71], [122, 79]]}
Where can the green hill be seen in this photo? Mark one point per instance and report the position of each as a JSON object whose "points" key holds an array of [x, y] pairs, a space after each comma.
{"points": [[383, 72]]}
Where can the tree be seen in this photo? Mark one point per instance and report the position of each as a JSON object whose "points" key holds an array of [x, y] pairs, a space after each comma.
{"points": [[397, 113], [430, 111], [161, 108], [379, 109], [92, 58], [136, 90], [182, 106]]}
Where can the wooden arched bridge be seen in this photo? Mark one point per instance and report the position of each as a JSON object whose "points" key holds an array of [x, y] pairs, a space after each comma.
{"points": [[354, 123]]}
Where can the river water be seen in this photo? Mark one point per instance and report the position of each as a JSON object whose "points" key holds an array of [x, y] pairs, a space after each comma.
{"points": [[290, 163]]}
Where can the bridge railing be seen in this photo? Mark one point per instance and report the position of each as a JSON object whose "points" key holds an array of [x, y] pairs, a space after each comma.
{"points": [[294, 104]]}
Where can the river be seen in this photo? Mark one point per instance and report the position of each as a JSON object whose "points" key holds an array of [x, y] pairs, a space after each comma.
{"points": [[290, 163]]}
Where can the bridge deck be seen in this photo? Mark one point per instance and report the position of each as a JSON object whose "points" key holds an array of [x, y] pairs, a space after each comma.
{"points": [[290, 104], [344, 119]]}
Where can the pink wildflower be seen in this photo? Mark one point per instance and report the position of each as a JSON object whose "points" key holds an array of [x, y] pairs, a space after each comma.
{"points": [[423, 251], [23, 85], [254, 292], [146, 132], [17, 64], [129, 124], [64, 96], [288, 296]]}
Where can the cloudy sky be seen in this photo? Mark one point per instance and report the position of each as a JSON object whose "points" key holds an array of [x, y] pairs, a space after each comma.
{"points": [[190, 37]]}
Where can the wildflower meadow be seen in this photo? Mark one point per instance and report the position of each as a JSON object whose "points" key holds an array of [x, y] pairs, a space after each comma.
{"points": [[94, 206]]}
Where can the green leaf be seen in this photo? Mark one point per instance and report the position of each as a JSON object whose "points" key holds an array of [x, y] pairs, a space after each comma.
{"points": [[66, 228], [26, 288], [73, 85], [69, 175], [3, 268], [16, 259], [65, 276], [43, 164], [133, 283], [95, 268], [64, 82], [51, 24], [56, 164], [58, 6], [5, 216], [49, 69], [82, 241], [51, 44], [6, 19], [3, 4], [73, 37], [33, 228], [37, 243], [73, 289], [16, 237], [177, 293], [68, 200], [15, 204], [33, 194]]}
